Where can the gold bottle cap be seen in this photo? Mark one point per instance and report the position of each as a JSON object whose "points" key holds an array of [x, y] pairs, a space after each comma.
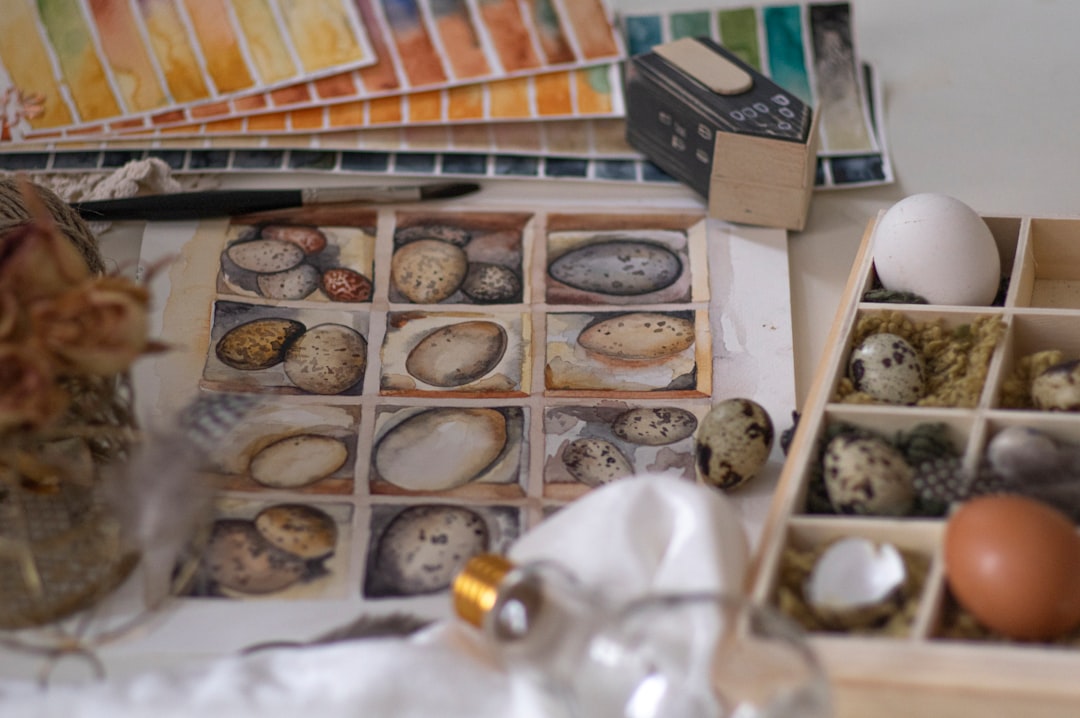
{"points": [[476, 588]]}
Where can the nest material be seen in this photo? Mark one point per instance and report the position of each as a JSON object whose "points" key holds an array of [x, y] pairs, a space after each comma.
{"points": [[59, 549], [957, 359], [796, 567]]}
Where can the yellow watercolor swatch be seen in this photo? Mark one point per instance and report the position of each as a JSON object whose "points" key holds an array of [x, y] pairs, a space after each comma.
{"points": [[264, 40], [510, 98], [83, 72], [466, 102], [173, 51], [27, 61], [594, 90], [322, 33], [221, 47]]}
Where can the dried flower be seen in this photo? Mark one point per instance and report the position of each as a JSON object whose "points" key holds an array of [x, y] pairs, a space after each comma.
{"points": [[98, 328], [58, 321], [31, 396]]}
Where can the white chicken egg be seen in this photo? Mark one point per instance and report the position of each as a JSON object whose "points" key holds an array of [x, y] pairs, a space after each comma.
{"points": [[939, 248]]}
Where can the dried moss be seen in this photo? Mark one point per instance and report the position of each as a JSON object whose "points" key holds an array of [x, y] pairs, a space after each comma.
{"points": [[796, 565], [957, 360]]}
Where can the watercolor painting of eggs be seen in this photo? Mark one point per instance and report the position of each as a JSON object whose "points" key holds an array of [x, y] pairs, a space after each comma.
{"points": [[432, 383]]}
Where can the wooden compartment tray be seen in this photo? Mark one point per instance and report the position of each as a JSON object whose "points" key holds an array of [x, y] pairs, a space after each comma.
{"points": [[922, 669]]}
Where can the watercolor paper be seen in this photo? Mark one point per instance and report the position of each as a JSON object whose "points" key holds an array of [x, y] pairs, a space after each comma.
{"points": [[421, 46], [390, 461], [85, 63]]}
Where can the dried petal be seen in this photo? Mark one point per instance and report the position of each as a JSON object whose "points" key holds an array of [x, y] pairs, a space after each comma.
{"points": [[98, 328], [30, 396]]}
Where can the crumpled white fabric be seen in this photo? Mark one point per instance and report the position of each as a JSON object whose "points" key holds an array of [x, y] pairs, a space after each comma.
{"points": [[640, 535]]}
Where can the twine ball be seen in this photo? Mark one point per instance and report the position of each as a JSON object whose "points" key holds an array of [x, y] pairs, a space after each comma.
{"points": [[13, 213]]}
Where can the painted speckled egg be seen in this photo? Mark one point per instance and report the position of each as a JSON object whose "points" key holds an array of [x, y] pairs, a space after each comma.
{"points": [[428, 271], [595, 461], [327, 359], [733, 443], [487, 283], [867, 475], [440, 449], [258, 344], [265, 255], [623, 267], [638, 335], [424, 547], [457, 354], [888, 368], [458, 236], [346, 285], [302, 530], [298, 460], [239, 558], [295, 283], [310, 239], [654, 426], [1058, 388]]}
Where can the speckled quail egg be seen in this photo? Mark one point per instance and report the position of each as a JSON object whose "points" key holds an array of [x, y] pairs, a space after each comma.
{"points": [[888, 368], [733, 443], [302, 530], [867, 475], [1058, 388]]}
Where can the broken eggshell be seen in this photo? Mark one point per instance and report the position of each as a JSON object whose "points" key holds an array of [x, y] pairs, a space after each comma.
{"points": [[888, 368], [733, 443], [869, 476], [856, 583]]}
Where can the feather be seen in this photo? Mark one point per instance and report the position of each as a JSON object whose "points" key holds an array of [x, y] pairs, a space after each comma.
{"points": [[159, 496]]}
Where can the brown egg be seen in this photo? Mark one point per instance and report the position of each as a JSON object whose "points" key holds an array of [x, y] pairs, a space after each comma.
{"points": [[1014, 564]]}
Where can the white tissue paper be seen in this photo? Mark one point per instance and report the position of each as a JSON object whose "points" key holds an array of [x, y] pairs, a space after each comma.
{"points": [[640, 535]]}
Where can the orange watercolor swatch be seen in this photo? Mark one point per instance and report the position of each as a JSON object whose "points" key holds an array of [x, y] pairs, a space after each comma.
{"points": [[510, 98], [425, 106], [82, 69], [174, 53], [220, 44], [509, 34], [553, 94], [466, 102], [127, 56]]}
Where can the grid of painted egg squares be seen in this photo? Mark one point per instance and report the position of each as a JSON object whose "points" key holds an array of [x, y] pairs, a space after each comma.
{"points": [[494, 271], [947, 434]]}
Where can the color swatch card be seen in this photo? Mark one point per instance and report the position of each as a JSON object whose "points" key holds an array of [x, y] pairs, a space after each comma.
{"points": [[567, 94], [421, 46], [807, 49], [86, 62]]}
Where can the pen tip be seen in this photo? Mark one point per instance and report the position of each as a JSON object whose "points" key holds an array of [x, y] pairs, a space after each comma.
{"points": [[446, 191]]}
